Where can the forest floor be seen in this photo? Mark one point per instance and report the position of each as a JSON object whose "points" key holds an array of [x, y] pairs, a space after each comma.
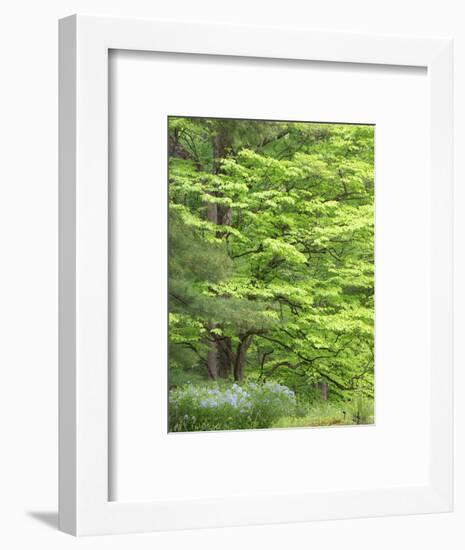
{"points": [[324, 414], [231, 406]]}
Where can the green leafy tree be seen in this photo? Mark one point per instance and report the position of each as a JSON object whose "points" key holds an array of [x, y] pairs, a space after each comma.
{"points": [[271, 252]]}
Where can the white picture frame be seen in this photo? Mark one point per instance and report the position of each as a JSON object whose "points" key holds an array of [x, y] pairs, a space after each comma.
{"points": [[84, 503]]}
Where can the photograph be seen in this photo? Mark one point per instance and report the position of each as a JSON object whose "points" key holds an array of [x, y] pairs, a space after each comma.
{"points": [[271, 295]]}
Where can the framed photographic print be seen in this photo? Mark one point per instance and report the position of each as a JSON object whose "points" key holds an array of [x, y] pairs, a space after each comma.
{"points": [[255, 275]]}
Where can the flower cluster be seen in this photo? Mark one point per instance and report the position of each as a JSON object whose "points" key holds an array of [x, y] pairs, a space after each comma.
{"points": [[229, 407]]}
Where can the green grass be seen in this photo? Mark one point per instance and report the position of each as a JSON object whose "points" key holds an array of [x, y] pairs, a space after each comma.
{"points": [[330, 414]]}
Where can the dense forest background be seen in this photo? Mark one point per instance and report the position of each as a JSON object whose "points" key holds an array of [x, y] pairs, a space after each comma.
{"points": [[271, 273]]}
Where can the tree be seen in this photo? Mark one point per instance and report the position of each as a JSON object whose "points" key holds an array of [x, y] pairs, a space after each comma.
{"points": [[271, 251]]}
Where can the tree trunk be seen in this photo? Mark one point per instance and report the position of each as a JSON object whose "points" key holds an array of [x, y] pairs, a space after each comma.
{"points": [[212, 362], [218, 362], [323, 387], [224, 358], [212, 359], [212, 212], [241, 354], [220, 144]]}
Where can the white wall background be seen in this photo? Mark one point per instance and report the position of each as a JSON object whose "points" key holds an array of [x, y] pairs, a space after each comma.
{"points": [[28, 269]]}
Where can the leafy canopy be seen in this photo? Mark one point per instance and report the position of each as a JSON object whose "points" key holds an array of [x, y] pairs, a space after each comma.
{"points": [[288, 262]]}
